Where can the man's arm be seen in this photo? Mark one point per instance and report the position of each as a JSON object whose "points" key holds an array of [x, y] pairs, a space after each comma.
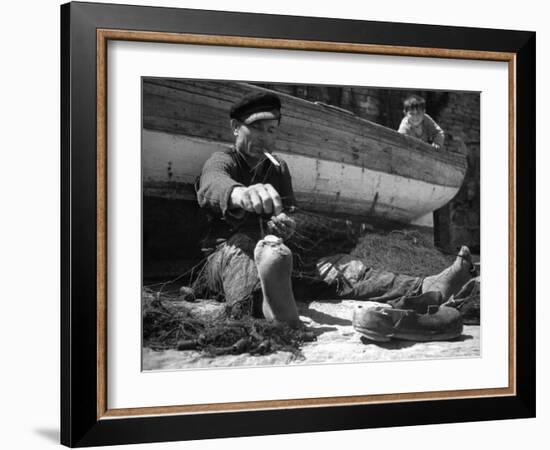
{"points": [[217, 184], [284, 225]]}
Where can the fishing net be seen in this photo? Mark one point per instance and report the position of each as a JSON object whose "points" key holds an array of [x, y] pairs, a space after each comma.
{"points": [[407, 251], [168, 324]]}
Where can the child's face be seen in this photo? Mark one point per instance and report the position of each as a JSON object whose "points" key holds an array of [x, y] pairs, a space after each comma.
{"points": [[415, 115]]}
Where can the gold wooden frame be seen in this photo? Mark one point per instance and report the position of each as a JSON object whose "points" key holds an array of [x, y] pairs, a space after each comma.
{"points": [[103, 36]]}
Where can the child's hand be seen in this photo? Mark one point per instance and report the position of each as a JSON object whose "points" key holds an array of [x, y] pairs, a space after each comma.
{"points": [[436, 146]]}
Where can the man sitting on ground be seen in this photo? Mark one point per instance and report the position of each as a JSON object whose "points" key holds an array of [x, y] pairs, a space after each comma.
{"points": [[246, 191]]}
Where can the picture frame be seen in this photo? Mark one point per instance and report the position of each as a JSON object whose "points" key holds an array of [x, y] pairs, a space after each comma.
{"points": [[86, 419]]}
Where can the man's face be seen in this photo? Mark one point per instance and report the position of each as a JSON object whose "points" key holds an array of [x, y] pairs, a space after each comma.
{"points": [[415, 115], [256, 138]]}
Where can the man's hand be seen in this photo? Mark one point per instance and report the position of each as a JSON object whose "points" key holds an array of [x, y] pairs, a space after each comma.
{"points": [[258, 198], [281, 225]]}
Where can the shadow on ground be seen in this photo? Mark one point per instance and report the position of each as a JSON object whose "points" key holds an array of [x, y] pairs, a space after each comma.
{"points": [[400, 344], [318, 331], [324, 318]]}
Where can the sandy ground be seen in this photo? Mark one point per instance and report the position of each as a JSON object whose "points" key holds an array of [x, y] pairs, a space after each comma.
{"points": [[337, 342]]}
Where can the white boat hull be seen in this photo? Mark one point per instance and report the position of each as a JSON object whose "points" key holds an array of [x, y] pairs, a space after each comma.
{"points": [[172, 163]]}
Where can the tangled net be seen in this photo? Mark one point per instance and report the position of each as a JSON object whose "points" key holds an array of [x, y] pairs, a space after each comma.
{"points": [[171, 325], [402, 251]]}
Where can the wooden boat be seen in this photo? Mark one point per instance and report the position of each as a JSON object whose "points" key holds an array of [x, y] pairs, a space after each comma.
{"points": [[341, 164]]}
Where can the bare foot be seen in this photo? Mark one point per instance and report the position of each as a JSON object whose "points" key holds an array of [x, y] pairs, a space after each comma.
{"points": [[274, 262], [451, 280]]}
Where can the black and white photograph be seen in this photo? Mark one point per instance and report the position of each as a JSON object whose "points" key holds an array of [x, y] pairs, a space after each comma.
{"points": [[292, 224]]}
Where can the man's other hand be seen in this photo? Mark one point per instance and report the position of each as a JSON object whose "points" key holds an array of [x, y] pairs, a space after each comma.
{"points": [[282, 225], [258, 198]]}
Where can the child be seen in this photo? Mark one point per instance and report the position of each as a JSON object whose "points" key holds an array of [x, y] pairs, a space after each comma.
{"points": [[418, 124]]}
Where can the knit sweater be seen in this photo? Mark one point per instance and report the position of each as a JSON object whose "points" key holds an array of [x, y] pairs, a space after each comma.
{"points": [[226, 170], [428, 130]]}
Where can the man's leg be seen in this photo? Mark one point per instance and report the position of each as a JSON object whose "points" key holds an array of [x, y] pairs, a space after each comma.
{"points": [[231, 273], [352, 278], [254, 278], [274, 263], [451, 280]]}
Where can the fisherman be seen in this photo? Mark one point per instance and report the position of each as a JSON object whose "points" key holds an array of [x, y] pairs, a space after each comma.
{"points": [[247, 191]]}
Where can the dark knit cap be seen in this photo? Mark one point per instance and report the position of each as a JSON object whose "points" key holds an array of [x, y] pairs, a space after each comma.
{"points": [[259, 106]]}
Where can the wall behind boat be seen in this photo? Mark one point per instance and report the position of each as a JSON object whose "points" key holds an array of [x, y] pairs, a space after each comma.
{"points": [[457, 113]]}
